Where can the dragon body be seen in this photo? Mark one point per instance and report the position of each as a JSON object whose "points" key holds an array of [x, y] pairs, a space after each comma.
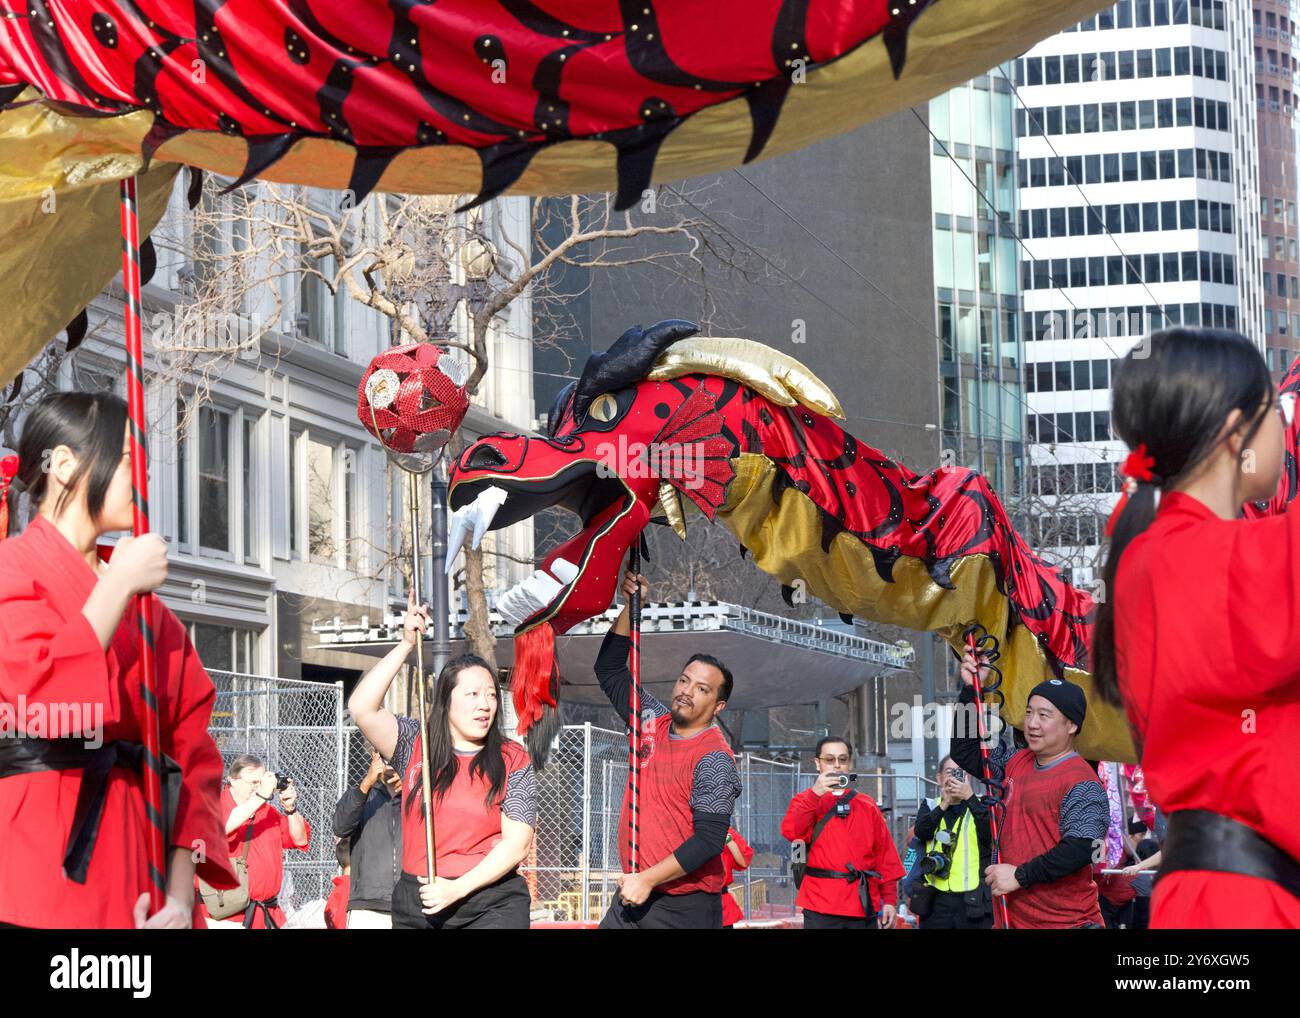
{"points": [[748, 436]]}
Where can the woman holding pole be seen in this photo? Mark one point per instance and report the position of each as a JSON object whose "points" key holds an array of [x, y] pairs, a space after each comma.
{"points": [[483, 792], [72, 801]]}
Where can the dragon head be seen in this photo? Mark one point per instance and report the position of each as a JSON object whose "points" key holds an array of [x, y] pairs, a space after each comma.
{"points": [[654, 420]]}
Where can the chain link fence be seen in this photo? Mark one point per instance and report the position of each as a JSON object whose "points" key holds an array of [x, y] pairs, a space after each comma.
{"points": [[298, 728]]}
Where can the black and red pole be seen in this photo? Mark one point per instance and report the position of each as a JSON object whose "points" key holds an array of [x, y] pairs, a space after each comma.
{"points": [[634, 714], [155, 847], [993, 782]]}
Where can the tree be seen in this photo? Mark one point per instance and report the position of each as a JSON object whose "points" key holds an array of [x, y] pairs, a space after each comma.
{"points": [[437, 275]]}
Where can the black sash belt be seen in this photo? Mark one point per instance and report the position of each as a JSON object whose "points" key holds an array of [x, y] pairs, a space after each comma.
{"points": [[1200, 840], [266, 907], [852, 873], [30, 756]]}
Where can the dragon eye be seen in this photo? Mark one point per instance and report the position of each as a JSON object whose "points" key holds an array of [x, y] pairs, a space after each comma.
{"points": [[603, 408]]}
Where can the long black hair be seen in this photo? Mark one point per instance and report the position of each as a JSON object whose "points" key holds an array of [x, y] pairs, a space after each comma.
{"points": [[1172, 394], [488, 761], [91, 424]]}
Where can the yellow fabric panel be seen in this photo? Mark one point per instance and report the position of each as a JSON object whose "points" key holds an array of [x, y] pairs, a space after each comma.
{"points": [[62, 258], [785, 541]]}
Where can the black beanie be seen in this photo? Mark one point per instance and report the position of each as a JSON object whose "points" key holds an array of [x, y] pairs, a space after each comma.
{"points": [[1065, 697]]}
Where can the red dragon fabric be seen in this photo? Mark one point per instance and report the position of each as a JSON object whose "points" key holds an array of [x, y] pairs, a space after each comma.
{"points": [[810, 502]]}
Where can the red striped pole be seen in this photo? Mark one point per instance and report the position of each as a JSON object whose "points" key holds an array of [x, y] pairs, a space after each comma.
{"points": [[994, 826], [153, 770], [634, 716]]}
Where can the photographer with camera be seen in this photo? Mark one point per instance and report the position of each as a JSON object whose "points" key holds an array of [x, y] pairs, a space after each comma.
{"points": [[844, 862], [957, 845], [369, 816], [257, 837]]}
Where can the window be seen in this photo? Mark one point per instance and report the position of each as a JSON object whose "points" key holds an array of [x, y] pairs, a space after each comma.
{"points": [[224, 648], [251, 489], [295, 472], [1091, 118], [1127, 116], [1184, 108], [1164, 63], [214, 479], [1092, 169], [182, 479], [1147, 114], [320, 499]]}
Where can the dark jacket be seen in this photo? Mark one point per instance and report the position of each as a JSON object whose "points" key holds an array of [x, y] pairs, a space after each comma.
{"points": [[374, 824]]}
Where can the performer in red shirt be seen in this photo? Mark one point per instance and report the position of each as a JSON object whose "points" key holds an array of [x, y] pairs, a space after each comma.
{"points": [[269, 833], [1201, 634], [70, 708], [336, 905], [689, 786], [736, 856], [484, 793], [1057, 813], [853, 869]]}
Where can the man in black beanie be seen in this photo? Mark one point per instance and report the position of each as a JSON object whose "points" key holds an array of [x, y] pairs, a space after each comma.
{"points": [[1057, 812]]}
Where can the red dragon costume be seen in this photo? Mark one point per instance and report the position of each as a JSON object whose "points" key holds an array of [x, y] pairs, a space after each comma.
{"points": [[747, 436]]}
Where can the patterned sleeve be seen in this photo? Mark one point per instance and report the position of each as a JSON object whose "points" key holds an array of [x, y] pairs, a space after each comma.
{"points": [[407, 730], [715, 786], [520, 802], [652, 704], [1085, 811]]}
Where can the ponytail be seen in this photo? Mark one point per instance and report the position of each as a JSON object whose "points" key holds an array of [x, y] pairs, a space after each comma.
{"points": [[1169, 399]]}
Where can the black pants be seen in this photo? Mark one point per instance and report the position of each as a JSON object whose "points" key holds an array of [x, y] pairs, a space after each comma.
{"points": [[1142, 912], [950, 914], [823, 921], [1116, 916], [695, 910], [503, 905]]}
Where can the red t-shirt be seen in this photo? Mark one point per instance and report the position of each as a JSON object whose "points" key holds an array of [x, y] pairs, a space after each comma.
{"points": [[1207, 636], [1033, 826], [679, 776], [465, 829], [1116, 888], [862, 839]]}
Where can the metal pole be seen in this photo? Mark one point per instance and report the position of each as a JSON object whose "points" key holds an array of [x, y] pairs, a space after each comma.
{"points": [[426, 782], [604, 830], [634, 717], [340, 757], [439, 600], [150, 724], [586, 819]]}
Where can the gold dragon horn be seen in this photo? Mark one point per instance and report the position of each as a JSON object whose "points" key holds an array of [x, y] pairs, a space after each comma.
{"points": [[771, 373]]}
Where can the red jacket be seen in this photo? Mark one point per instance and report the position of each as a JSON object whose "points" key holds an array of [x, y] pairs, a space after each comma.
{"points": [[336, 905], [861, 839], [50, 660], [731, 912], [1207, 633]]}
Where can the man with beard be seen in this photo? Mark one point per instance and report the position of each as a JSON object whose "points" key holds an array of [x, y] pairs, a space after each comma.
{"points": [[688, 784]]}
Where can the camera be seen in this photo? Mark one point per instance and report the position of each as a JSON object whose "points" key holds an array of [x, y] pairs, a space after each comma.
{"points": [[936, 864], [282, 782], [840, 780]]}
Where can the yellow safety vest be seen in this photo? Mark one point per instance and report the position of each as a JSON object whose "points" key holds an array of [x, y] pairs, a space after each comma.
{"points": [[964, 871]]}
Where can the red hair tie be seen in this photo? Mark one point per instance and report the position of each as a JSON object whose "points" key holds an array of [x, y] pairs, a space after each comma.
{"points": [[1138, 465], [8, 470]]}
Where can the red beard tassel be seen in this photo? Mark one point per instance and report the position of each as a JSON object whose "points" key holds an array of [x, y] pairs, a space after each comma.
{"points": [[533, 674]]}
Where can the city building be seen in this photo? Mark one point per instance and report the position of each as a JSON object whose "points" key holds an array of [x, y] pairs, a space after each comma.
{"points": [[973, 199], [1138, 171], [280, 509], [1276, 98]]}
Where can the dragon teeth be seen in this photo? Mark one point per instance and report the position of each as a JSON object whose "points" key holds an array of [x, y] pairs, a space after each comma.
{"points": [[531, 595], [473, 519]]}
